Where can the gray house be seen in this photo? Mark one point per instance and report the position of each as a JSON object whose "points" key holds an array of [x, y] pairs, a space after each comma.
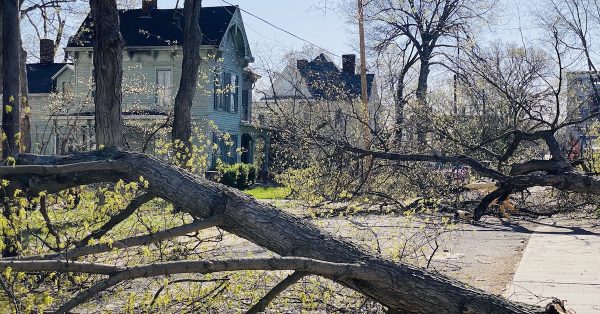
{"points": [[48, 83], [318, 92], [152, 59]]}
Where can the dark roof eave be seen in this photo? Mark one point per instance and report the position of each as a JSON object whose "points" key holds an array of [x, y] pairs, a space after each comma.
{"points": [[139, 48], [161, 27]]}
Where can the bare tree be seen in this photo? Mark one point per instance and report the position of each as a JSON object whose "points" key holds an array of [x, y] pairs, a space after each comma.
{"points": [[396, 61], [422, 26], [108, 73]]}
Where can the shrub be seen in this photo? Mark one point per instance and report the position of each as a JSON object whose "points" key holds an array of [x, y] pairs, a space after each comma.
{"points": [[239, 176], [252, 173], [228, 174], [242, 178]]}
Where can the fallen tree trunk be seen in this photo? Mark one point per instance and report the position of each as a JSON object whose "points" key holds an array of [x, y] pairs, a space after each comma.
{"points": [[397, 286]]}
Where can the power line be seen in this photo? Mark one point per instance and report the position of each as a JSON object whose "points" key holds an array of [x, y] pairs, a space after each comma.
{"points": [[284, 30]]}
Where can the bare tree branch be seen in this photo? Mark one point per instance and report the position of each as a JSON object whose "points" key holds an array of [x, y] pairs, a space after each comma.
{"points": [[262, 304], [116, 219]]}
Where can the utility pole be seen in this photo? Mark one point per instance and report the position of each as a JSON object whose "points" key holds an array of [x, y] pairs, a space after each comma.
{"points": [[363, 74]]}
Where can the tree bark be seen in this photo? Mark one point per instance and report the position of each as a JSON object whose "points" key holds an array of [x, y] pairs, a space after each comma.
{"points": [[421, 93], [423, 78], [399, 113], [182, 120], [1, 46], [10, 96], [108, 73], [25, 128], [397, 286]]}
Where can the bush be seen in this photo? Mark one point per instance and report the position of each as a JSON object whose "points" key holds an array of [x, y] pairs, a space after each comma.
{"points": [[239, 176], [242, 179], [252, 173]]}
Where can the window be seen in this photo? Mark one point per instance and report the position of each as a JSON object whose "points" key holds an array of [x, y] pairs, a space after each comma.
{"points": [[245, 105], [163, 86], [216, 93], [226, 149], [232, 155], [225, 92], [93, 83], [234, 90]]}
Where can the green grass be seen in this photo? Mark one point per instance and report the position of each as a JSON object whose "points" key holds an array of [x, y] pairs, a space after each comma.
{"points": [[269, 192]]}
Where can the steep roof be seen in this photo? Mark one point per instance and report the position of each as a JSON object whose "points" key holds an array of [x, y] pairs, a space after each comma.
{"points": [[39, 77], [325, 81], [160, 27]]}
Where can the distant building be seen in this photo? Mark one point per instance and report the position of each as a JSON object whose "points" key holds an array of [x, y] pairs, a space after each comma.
{"points": [[46, 80], [583, 100], [317, 90]]}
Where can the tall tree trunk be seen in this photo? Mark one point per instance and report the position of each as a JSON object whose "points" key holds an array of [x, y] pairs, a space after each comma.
{"points": [[423, 77], [10, 104], [182, 121], [10, 97], [399, 113], [421, 93], [1, 46], [108, 73]]}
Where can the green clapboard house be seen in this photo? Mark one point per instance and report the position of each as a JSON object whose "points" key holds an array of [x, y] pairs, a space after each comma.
{"points": [[152, 57]]}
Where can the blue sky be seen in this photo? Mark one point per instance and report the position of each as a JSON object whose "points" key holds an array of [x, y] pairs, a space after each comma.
{"points": [[328, 28], [323, 23], [306, 18]]}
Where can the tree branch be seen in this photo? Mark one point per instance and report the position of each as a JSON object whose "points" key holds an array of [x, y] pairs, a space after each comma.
{"points": [[326, 269], [116, 219], [197, 225], [262, 304]]}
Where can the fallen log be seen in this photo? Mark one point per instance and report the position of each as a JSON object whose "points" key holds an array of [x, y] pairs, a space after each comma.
{"points": [[399, 287]]}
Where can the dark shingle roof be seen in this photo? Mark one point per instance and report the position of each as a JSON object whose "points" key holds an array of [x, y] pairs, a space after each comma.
{"points": [[326, 81], [39, 76], [161, 27]]}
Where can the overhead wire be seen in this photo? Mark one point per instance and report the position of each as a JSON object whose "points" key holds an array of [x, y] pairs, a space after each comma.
{"points": [[284, 30]]}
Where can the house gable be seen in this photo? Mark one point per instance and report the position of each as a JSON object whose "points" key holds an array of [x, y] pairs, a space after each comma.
{"points": [[41, 76]]}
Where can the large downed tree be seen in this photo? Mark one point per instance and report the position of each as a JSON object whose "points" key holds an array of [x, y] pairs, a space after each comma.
{"points": [[303, 247]]}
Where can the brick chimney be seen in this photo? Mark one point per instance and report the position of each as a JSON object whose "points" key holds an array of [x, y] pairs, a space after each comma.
{"points": [[148, 5], [349, 64], [300, 64], [46, 51]]}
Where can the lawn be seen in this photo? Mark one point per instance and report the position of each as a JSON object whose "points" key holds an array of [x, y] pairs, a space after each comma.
{"points": [[269, 192]]}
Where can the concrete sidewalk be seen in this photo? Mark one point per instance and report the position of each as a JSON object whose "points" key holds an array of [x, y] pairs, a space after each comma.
{"points": [[560, 262]]}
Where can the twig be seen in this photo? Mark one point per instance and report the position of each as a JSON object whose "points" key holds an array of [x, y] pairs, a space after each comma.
{"points": [[262, 304], [116, 219]]}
